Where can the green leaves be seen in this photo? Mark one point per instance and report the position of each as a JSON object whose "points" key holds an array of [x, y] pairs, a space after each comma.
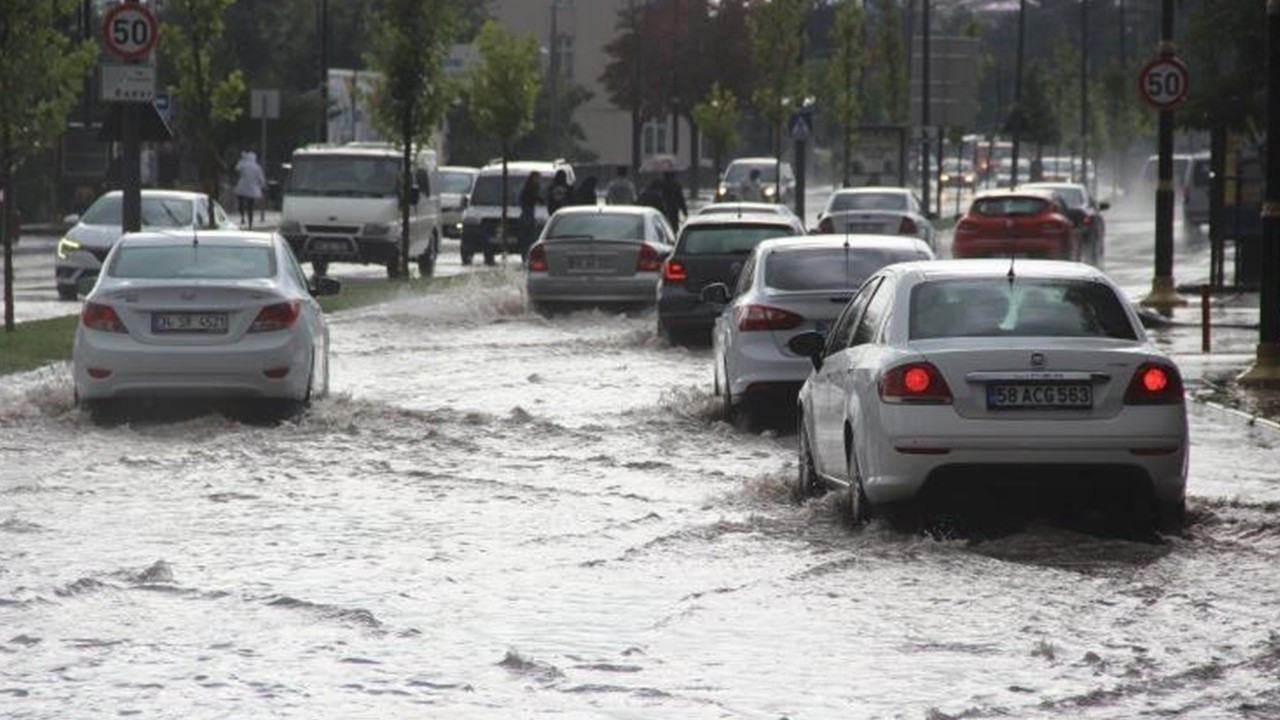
{"points": [[505, 86]]}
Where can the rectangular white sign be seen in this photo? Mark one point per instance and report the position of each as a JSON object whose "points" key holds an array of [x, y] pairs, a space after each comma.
{"points": [[128, 83]]}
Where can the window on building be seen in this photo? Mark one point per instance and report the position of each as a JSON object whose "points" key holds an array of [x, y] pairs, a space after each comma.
{"points": [[655, 137]]}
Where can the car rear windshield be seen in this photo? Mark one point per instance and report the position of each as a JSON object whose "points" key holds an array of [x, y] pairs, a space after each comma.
{"points": [[344, 176], [156, 212], [832, 268], [868, 201], [212, 262], [993, 307], [456, 182], [607, 226], [1010, 206], [728, 239]]}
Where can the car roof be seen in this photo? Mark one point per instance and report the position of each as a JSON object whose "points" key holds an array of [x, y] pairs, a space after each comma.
{"points": [[1021, 191], [526, 166], [185, 237], [459, 169], [163, 194], [998, 269], [606, 210], [745, 218], [724, 208], [1051, 185], [764, 160], [837, 240], [351, 150], [876, 189]]}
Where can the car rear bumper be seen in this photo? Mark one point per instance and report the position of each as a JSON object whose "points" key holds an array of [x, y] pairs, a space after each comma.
{"points": [[680, 309], [639, 289], [363, 249], [755, 360], [1040, 247]]}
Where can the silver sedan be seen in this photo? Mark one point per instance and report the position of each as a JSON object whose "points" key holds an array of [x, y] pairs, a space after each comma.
{"points": [[598, 254]]}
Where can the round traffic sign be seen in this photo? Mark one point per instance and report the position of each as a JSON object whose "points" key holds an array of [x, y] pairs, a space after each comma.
{"points": [[129, 31], [1164, 82]]}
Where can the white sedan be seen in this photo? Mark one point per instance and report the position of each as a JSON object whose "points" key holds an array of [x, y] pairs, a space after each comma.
{"points": [[788, 286], [218, 315], [877, 210], [946, 376]]}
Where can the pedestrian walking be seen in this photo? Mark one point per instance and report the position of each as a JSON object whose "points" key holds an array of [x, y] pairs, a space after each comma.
{"points": [[530, 197], [749, 188], [651, 196], [250, 185], [620, 190], [673, 199], [585, 193], [560, 193]]}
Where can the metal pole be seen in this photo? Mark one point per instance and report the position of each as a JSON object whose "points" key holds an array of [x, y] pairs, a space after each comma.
{"points": [[1163, 295], [1266, 366], [553, 79], [324, 70], [926, 167], [1084, 93], [1017, 94], [131, 167]]}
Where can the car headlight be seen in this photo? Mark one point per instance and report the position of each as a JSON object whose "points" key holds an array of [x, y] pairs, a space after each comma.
{"points": [[944, 177], [66, 246], [770, 191], [377, 229], [722, 190]]}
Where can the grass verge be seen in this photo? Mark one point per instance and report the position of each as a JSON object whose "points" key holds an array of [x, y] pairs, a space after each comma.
{"points": [[37, 343]]}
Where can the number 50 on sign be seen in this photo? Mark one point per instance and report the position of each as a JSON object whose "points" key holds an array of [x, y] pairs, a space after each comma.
{"points": [[129, 31], [1163, 82]]}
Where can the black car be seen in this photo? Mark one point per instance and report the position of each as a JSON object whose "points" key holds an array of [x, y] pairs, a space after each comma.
{"points": [[1085, 214], [710, 249]]}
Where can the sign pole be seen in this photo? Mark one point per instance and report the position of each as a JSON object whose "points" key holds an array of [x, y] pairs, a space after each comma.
{"points": [[1164, 296], [262, 154], [1265, 370]]}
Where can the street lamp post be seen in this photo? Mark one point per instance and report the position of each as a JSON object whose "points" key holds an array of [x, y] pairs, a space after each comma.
{"points": [[1017, 94], [1266, 366]]}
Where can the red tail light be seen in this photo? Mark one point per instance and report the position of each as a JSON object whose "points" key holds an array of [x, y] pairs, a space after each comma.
{"points": [[674, 271], [101, 317], [279, 316], [1154, 384], [762, 317], [907, 227], [918, 382], [649, 260], [537, 260], [826, 226]]}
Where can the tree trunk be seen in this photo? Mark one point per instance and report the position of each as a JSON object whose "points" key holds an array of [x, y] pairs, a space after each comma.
{"points": [[6, 222], [502, 226], [406, 194], [695, 164]]}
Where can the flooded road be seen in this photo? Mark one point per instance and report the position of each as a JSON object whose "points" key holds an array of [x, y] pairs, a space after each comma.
{"points": [[502, 515]]}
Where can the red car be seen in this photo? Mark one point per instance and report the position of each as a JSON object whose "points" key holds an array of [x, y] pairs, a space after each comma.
{"points": [[1016, 223]]}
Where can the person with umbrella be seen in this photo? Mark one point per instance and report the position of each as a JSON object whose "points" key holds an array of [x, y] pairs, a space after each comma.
{"points": [[673, 199]]}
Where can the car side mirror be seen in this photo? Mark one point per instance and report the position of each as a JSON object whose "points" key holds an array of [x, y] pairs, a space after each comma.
{"points": [[325, 285], [808, 344], [715, 294], [466, 201]]}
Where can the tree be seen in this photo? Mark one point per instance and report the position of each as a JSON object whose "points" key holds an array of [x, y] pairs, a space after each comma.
{"points": [[569, 135], [411, 41], [844, 68], [41, 70], [1042, 125], [718, 117], [890, 62], [189, 42], [503, 93], [1225, 48], [776, 29]]}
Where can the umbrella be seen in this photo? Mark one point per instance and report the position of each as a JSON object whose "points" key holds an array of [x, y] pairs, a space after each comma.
{"points": [[661, 164]]}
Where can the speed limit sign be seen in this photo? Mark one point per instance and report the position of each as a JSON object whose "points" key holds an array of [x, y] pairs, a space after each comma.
{"points": [[1163, 82], [129, 31]]}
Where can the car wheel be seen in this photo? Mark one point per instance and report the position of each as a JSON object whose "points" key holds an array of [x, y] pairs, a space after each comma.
{"points": [[67, 293], [489, 255], [1171, 517], [807, 485], [320, 267], [857, 507]]}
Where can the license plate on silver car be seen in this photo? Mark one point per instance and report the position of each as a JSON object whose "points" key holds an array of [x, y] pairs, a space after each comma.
{"points": [[1039, 396], [186, 322], [587, 262]]}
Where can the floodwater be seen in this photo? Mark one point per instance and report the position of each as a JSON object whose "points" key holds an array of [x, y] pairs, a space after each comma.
{"points": [[500, 515]]}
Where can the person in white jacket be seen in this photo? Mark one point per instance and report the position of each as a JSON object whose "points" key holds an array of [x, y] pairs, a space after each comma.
{"points": [[249, 187]]}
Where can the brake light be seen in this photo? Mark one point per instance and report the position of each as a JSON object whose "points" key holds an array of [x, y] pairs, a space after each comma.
{"points": [[762, 317], [918, 382], [649, 259], [101, 317], [1154, 384], [907, 227], [674, 271], [538, 258], [279, 316]]}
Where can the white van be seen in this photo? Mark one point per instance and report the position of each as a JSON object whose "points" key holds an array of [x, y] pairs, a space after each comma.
{"points": [[483, 214], [342, 204]]}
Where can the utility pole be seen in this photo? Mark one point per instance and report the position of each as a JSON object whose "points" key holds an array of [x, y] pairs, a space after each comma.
{"points": [[926, 167], [324, 70], [1164, 296], [553, 79], [1084, 93], [1266, 365], [636, 75], [1017, 94]]}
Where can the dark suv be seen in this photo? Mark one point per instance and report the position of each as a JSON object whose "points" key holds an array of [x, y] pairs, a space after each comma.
{"points": [[710, 249]]}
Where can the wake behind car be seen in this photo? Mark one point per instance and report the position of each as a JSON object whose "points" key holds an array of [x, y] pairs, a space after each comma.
{"points": [[1027, 223], [82, 250], [876, 211], [789, 285], [600, 254], [940, 379], [711, 249], [214, 315]]}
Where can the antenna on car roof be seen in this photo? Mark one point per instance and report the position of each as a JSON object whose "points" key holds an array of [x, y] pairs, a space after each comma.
{"points": [[1011, 274]]}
